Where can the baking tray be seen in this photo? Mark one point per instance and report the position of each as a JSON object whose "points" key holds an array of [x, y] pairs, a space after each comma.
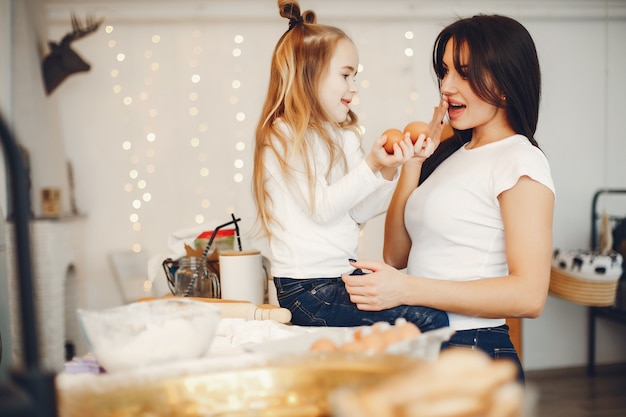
{"points": [[295, 386]]}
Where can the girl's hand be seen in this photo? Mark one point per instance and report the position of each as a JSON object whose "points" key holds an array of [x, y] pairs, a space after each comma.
{"points": [[379, 160], [381, 289]]}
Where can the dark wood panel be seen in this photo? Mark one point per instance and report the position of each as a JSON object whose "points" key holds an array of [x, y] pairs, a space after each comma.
{"points": [[515, 331], [572, 393]]}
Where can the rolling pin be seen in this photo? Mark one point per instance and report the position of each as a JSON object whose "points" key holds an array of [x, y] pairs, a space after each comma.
{"points": [[240, 309]]}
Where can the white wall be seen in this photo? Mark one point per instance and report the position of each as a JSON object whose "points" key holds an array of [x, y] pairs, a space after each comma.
{"points": [[5, 82], [34, 116], [581, 52], [5, 98]]}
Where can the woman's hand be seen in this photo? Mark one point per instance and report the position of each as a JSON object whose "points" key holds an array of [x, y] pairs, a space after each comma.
{"points": [[423, 148], [436, 125], [381, 289]]}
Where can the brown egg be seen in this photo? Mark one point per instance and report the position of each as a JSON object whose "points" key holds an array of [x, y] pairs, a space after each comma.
{"points": [[374, 343], [415, 129], [392, 335], [352, 347], [408, 330], [361, 332], [323, 345], [393, 136], [380, 327]]}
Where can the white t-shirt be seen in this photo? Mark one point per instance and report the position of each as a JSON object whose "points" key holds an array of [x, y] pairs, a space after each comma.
{"points": [[454, 217], [318, 244]]}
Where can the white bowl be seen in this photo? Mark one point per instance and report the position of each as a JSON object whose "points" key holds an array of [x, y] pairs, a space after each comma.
{"points": [[149, 332]]}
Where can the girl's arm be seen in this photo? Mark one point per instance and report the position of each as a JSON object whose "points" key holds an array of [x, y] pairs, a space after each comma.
{"points": [[527, 210], [334, 198], [378, 202]]}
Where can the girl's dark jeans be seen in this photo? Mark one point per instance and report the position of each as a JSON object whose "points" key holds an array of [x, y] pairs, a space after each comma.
{"points": [[325, 302]]}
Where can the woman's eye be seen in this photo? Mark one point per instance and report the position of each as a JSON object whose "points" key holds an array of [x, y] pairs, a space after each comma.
{"points": [[464, 72]]}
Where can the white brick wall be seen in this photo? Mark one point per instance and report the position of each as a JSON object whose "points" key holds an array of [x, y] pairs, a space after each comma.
{"points": [[57, 265]]}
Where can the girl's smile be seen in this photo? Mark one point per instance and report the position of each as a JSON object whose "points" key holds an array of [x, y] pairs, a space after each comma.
{"points": [[338, 86]]}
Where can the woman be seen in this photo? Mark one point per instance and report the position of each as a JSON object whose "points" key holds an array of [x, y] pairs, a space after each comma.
{"points": [[476, 235]]}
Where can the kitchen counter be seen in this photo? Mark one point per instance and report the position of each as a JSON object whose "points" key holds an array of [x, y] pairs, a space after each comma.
{"points": [[244, 354]]}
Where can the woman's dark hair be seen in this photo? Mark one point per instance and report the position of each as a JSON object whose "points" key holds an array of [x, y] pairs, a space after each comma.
{"points": [[443, 151], [502, 63]]}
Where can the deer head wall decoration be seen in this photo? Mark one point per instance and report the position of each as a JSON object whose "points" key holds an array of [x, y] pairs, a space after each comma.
{"points": [[62, 61]]}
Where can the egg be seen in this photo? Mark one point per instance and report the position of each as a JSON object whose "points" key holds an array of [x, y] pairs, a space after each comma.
{"points": [[415, 129], [392, 336], [408, 330], [323, 345], [361, 332], [380, 327], [393, 136], [353, 347], [374, 343], [400, 321]]}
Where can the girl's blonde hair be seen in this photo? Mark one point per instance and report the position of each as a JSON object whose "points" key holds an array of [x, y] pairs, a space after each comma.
{"points": [[300, 59]]}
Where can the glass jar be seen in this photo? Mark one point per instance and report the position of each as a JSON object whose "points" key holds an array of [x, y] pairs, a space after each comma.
{"points": [[193, 279]]}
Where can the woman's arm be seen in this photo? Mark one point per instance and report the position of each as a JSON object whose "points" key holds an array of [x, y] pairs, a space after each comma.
{"points": [[527, 210], [397, 242]]}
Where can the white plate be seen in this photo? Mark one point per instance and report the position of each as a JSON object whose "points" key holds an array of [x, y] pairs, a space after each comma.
{"points": [[425, 346], [301, 343]]}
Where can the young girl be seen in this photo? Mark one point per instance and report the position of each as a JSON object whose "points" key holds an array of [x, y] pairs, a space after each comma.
{"points": [[313, 186], [476, 235]]}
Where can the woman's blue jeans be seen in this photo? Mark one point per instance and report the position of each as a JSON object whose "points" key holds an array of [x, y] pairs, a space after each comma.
{"points": [[495, 341], [325, 302]]}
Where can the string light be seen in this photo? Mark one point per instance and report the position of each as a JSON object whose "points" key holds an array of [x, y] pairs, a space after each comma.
{"points": [[240, 116], [138, 194], [409, 53], [140, 95], [194, 111]]}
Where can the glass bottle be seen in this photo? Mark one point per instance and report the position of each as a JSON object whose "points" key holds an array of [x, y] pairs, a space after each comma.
{"points": [[193, 279]]}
